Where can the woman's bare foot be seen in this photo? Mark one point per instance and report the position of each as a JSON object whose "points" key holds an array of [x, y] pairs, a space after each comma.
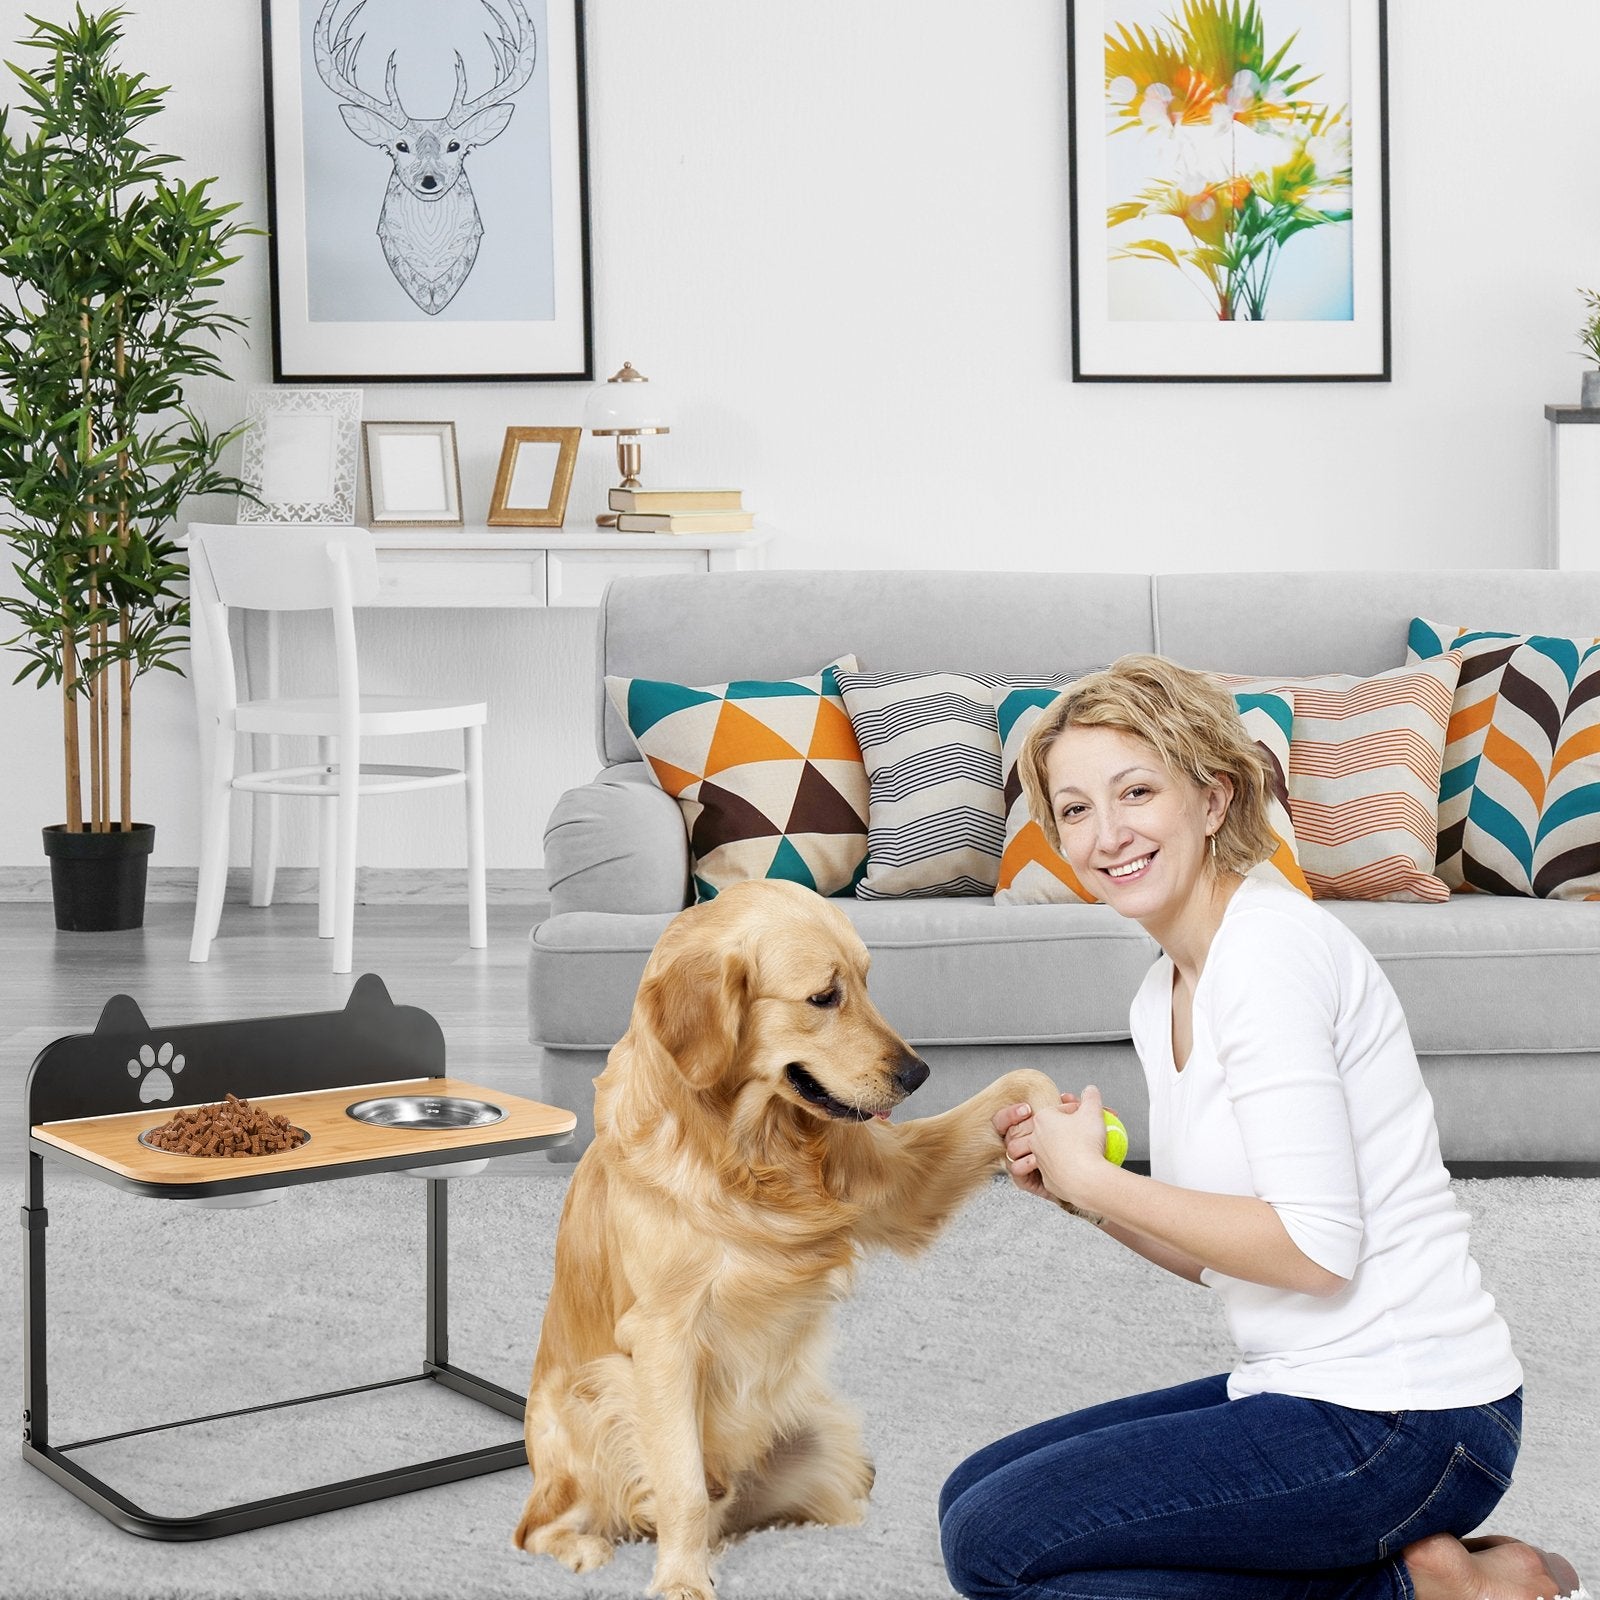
{"points": [[1492, 1568]]}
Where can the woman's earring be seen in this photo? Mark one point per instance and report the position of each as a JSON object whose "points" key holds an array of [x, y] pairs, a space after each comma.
{"points": [[1213, 838]]}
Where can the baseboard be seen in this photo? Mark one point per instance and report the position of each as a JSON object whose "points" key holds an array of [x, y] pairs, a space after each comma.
{"points": [[298, 885], [1524, 1169]]}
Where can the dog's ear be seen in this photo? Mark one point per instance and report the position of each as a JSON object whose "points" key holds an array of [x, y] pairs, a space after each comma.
{"points": [[695, 1007]]}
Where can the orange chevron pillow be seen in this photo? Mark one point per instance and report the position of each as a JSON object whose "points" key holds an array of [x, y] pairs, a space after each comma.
{"points": [[768, 776], [1032, 872], [1364, 764]]}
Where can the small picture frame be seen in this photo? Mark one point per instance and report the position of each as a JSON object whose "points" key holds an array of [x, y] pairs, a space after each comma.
{"points": [[413, 475], [535, 477], [300, 456]]}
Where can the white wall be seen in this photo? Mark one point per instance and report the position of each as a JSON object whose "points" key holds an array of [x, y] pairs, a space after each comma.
{"points": [[840, 230]]}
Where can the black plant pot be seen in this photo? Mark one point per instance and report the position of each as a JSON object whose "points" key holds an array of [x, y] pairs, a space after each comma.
{"points": [[97, 879]]}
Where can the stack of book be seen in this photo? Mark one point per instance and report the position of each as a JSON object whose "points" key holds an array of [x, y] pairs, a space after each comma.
{"points": [[680, 511]]}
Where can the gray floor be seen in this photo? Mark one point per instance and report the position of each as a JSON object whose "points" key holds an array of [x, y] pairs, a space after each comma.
{"points": [[265, 962], [1536, 1238]]}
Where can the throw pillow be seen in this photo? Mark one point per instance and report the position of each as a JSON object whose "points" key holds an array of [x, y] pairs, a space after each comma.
{"points": [[1364, 764], [768, 776], [1519, 796], [1031, 870], [932, 754]]}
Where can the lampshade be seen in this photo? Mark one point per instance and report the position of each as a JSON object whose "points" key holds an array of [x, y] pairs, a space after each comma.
{"points": [[627, 403]]}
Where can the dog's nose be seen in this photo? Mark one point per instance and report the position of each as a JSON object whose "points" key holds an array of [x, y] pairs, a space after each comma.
{"points": [[911, 1074], [430, 183]]}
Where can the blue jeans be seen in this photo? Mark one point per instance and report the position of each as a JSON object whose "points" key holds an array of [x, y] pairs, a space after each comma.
{"points": [[1184, 1494]]}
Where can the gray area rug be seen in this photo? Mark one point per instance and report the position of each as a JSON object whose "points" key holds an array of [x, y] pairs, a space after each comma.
{"points": [[1017, 1313]]}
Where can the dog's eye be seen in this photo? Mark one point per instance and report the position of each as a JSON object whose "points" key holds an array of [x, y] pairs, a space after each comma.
{"points": [[828, 997]]}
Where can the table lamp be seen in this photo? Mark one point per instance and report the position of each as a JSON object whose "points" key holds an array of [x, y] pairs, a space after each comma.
{"points": [[625, 407]]}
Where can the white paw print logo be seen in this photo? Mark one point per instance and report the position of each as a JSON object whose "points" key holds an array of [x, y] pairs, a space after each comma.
{"points": [[153, 1064]]}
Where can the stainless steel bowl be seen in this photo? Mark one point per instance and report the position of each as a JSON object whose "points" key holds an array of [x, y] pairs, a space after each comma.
{"points": [[237, 1200], [426, 1111]]}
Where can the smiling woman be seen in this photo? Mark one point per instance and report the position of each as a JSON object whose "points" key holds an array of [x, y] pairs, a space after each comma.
{"points": [[1295, 1170], [1185, 726]]}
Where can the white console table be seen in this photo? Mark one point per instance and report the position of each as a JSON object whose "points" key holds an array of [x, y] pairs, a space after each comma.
{"points": [[489, 569], [515, 568]]}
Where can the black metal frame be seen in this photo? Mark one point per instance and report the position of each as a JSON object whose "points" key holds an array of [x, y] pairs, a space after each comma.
{"points": [[376, 1019]]}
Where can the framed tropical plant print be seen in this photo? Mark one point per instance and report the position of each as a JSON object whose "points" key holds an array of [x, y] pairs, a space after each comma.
{"points": [[427, 190], [1229, 190]]}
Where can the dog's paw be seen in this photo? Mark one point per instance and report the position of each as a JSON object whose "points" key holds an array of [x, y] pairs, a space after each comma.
{"points": [[682, 1580], [577, 1552], [1028, 1084]]}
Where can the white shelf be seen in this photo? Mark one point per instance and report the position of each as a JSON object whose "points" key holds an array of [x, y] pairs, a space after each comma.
{"points": [[601, 541], [1574, 491], [517, 569]]}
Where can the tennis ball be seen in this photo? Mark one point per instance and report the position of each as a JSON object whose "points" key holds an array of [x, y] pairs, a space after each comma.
{"points": [[1116, 1139]]}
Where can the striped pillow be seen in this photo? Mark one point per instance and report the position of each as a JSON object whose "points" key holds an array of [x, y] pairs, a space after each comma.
{"points": [[1519, 797], [936, 820], [1033, 873], [1364, 765]]}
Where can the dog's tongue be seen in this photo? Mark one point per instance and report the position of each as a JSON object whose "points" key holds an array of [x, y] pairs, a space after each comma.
{"points": [[880, 1116]]}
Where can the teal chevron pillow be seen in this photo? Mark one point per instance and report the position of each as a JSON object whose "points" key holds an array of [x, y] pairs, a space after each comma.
{"points": [[1519, 792]]}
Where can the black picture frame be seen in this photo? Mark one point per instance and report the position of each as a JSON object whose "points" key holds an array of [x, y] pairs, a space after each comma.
{"points": [[353, 304], [1131, 329]]}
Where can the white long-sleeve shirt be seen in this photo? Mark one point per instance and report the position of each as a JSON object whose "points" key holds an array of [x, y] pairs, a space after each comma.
{"points": [[1302, 1088]]}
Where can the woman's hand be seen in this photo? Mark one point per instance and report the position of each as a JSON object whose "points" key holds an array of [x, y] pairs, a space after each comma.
{"points": [[1033, 1141], [1053, 1149], [1014, 1124]]}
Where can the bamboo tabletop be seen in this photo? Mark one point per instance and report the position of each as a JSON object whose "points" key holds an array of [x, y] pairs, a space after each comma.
{"points": [[336, 1139]]}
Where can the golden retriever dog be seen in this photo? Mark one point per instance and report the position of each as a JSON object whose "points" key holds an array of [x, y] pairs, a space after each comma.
{"points": [[742, 1161]]}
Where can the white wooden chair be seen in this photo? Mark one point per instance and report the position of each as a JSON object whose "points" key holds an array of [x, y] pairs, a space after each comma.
{"points": [[304, 569]]}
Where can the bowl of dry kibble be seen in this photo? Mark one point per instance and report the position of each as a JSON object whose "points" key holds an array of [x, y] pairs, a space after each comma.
{"points": [[233, 1129]]}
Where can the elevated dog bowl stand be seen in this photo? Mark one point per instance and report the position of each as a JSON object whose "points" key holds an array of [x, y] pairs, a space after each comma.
{"points": [[89, 1097]]}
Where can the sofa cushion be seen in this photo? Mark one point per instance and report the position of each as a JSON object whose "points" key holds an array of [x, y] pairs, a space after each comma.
{"points": [[1477, 975], [946, 970], [1033, 872], [1364, 764], [707, 627], [1519, 795], [1300, 624], [767, 774], [932, 753], [1482, 975]]}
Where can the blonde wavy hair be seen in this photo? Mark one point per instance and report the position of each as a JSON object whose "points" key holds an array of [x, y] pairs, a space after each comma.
{"points": [[1189, 721]]}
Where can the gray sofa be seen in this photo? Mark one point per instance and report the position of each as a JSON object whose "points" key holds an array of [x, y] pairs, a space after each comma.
{"points": [[1502, 995]]}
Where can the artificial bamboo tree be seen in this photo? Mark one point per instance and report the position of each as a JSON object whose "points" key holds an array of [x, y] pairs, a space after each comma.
{"points": [[108, 267]]}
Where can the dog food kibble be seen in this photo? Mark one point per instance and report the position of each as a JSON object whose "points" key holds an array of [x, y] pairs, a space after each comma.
{"points": [[234, 1128]]}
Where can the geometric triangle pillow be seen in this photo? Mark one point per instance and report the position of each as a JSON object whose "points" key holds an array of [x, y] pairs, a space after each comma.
{"points": [[768, 776], [1031, 870], [1519, 794]]}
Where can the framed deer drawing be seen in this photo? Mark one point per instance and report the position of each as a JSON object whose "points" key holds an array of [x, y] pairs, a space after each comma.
{"points": [[427, 190]]}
